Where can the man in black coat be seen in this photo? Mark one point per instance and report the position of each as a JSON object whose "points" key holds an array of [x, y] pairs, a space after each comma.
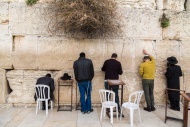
{"points": [[112, 69], [173, 73], [47, 80], [84, 73]]}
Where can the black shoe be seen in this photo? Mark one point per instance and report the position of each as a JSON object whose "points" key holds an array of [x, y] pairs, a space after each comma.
{"points": [[84, 112], [172, 108], [177, 109], [153, 108], [148, 109], [121, 115], [88, 112], [43, 108]]}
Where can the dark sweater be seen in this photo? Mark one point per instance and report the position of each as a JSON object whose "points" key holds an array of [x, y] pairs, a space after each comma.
{"points": [[112, 69]]}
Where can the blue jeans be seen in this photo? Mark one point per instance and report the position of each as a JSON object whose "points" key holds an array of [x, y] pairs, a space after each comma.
{"points": [[115, 90], [85, 89]]}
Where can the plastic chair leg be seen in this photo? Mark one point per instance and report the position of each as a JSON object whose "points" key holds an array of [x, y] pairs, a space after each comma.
{"points": [[121, 112], [46, 106], [131, 116], [51, 105], [102, 110], [37, 107], [139, 115], [117, 111], [111, 114]]}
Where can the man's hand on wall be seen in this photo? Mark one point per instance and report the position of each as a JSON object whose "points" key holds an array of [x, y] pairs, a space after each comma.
{"points": [[145, 52]]}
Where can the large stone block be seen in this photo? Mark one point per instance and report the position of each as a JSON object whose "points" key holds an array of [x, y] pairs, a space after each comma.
{"points": [[179, 28], [5, 51], [159, 89], [177, 5], [66, 51], [165, 49], [24, 52], [36, 19], [184, 55], [186, 85], [62, 56], [140, 23]]}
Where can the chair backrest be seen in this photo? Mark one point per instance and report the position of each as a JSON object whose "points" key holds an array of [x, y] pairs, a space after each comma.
{"points": [[42, 91], [106, 95], [137, 95]]}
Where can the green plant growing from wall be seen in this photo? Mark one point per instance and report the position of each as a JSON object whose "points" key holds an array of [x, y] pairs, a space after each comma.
{"points": [[31, 2], [91, 18], [165, 22]]}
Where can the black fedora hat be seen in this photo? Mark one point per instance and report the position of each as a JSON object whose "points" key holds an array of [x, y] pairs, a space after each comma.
{"points": [[172, 60], [66, 77]]}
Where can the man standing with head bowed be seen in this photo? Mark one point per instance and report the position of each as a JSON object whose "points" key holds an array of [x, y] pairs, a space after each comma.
{"points": [[84, 73], [112, 69]]}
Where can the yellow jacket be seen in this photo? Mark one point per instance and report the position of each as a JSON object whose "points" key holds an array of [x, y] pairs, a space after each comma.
{"points": [[147, 69]]}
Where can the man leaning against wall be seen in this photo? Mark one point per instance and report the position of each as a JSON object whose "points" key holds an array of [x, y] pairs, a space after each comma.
{"points": [[147, 71]]}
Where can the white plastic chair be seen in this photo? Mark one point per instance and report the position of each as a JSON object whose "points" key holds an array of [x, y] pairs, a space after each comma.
{"points": [[132, 105], [108, 101], [40, 94]]}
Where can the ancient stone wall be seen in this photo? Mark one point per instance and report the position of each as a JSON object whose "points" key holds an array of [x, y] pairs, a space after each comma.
{"points": [[31, 47]]}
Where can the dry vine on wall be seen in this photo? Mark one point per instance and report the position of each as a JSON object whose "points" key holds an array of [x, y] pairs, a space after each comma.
{"points": [[89, 18]]}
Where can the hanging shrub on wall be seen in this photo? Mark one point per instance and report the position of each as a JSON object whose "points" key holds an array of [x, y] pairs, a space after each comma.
{"points": [[91, 18], [165, 22], [31, 2]]}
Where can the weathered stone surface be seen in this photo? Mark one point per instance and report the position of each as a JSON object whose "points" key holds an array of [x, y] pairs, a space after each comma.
{"points": [[148, 4], [159, 4], [165, 49], [19, 1], [188, 5], [47, 1], [184, 55], [22, 83], [24, 52], [66, 51], [3, 87], [38, 19], [186, 82], [5, 51], [179, 25], [177, 5], [4, 18], [140, 23]]}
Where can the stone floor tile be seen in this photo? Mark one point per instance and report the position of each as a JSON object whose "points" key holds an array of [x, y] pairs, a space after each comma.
{"points": [[34, 120], [88, 125], [60, 124], [88, 118], [19, 118], [63, 115], [8, 114]]}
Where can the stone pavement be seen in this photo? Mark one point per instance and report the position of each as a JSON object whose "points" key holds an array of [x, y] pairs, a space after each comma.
{"points": [[26, 117]]}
